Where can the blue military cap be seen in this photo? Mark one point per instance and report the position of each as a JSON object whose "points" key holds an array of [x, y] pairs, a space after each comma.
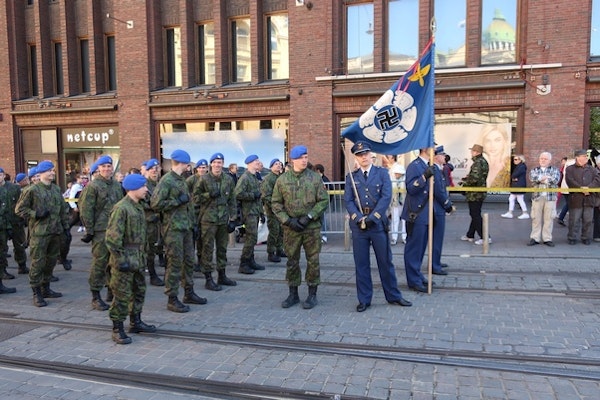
{"points": [[133, 182], [273, 161], [251, 158], [201, 163], [216, 156], [298, 151], [1, 170], [151, 163], [439, 150], [20, 176], [360, 147], [32, 172], [44, 166], [104, 160], [93, 168], [181, 156]]}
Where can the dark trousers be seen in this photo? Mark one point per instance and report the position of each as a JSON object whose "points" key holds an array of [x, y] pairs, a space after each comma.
{"points": [[476, 221]]}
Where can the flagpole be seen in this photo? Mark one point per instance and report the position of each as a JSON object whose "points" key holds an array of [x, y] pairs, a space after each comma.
{"points": [[432, 27]]}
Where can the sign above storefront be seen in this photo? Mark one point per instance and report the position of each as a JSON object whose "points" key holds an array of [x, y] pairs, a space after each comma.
{"points": [[90, 137]]}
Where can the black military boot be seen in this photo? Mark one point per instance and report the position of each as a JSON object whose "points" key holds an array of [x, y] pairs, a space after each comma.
{"points": [[255, 266], [292, 299], [190, 297], [281, 253], [54, 278], [311, 300], [176, 306], [162, 261], [23, 269], [109, 295], [4, 289], [210, 283], [118, 334], [224, 280], [136, 325], [245, 267], [48, 293], [154, 278], [273, 257], [6, 275], [38, 299], [97, 302], [67, 265]]}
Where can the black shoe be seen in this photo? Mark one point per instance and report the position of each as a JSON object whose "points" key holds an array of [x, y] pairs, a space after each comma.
{"points": [[191, 297], [48, 293], [281, 254], [97, 302], [23, 269], [224, 280], [256, 266], [156, 281], [418, 288], [532, 242], [440, 272], [549, 243], [273, 257], [292, 299], [362, 307], [245, 269], [561, 222], [118, 333], [7, 276], [54, 278], [210, 283], [586, 242], [136, 325], [572, 241], [176, 306], [4, 289], [402, 302], [67, 265], [444, 265]]}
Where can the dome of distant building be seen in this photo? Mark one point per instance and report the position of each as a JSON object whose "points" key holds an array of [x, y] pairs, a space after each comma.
{"points": [[499, 35]]}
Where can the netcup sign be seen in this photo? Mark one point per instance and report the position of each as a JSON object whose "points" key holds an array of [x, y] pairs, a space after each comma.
{"points": [[90, 137]]}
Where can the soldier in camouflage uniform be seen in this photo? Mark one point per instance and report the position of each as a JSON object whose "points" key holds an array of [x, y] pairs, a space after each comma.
{"points": [[477, 177], [151, 172], [215, 192], [299, 199], [172, 199], [247, 192], [44, 207], [95, 203], [6, 208], [192, 181], [19, 239], [126, 242], [275, 238]]}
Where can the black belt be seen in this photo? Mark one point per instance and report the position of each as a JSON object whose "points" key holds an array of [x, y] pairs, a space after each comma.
{"points": [[367, 210]]}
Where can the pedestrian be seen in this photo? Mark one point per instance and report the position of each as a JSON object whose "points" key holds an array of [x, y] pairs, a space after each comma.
{"points": [[416, 214], [476, 177], [368, 194], [518, 179], [95, 204], [154, 248], [543, 203], [232, 170], [9, 194], [596, 229], [397, 176], [126, 240], [581, 204], [299, 199], [448, 168], [247, 192], [275, 237], [45, 208], [320, 169], [217, 220], [19, 238], [171, 199]]}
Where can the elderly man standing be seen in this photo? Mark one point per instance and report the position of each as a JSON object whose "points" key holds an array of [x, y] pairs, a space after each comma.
{"points": [[543, 204]]}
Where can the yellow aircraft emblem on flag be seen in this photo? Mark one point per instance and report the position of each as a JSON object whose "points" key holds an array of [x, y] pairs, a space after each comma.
{"points": [[420, 74]]}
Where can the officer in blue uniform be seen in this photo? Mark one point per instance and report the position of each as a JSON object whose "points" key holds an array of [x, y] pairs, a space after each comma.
{"points": [[367, 194], [416, 215]]}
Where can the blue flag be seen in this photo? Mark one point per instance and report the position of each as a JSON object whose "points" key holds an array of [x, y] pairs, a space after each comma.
{"points": [[402, 119]]}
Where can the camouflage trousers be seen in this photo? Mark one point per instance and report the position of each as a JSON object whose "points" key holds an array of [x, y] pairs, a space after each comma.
{"points": [[179, 248], [293, 242], [3, 251], [275, 238], [129, 289], [250, 236], [153, 236], [65, 246], [18, 240], [43, 253], [214, 236], [99, 271]]}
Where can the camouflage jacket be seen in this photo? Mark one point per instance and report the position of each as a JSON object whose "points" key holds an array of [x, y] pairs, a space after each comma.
{"points": [[247, 192], [477, 177], [41, 197], [165, 200], [266, 190], [297, 194], [96, 202], [151, 215], [9, 195], [126, 234], [217, 210]]}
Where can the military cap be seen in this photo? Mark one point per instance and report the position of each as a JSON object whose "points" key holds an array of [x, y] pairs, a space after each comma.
{"points": [[273, 161], [20, 176], [32, 172], [360, 147], [1, 170], [93, 168], [133, 182], [104, 160], [251, 158], [440, 151], [44, 166], [201, 163], [581, 152], [298, 152], [181, 156], [151, 163], [477, 147], [216, 156]]}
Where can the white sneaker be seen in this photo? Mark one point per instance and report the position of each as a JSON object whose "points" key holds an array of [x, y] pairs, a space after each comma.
{"points": [[393, 242], [80, 229], [466, 239], [507, 215], [523, 216], [480, 241], [324, 239]]}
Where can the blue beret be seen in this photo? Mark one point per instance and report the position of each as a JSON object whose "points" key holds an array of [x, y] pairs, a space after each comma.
{"points": [[298, 152], [104, 160], [201, 162], [439, 150], [44, 166], [32, 172], [180, 156], [20, 176], [273, 161], [151, 163], [216, 156], [251, 158], [133, 182], [93, 168], [360, 147], [1, 170]]}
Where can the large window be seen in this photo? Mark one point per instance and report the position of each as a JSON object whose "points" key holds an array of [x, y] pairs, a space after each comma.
{"points": [[403, 34], [58, 69], [278, 66], [499, 31], [84, 62], [595, 30], [206, 54], [241, 70], [450, 35], [111, 64], [33, 74], [360, 30], [173, 71]]}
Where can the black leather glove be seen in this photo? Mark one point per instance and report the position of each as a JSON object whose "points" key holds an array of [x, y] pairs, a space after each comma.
{"points": [[262, 218], [257, 195], [215, 193], [448, 207], [294, 225], [87, 238], [124, 267], [41, 214], [429, 171], [304, 220], [183, 198], [231, 226], [370, 223], [9, 234]]}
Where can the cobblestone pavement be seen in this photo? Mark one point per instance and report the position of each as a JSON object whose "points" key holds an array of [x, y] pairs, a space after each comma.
{"points": [[481, 334]]}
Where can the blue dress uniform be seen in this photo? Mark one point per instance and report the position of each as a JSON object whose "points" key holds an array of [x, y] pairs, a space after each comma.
{"points": [[416, 211], [374, 195]]}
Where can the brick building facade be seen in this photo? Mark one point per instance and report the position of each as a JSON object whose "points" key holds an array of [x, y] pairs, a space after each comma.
{"points": [[81, 78]]}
